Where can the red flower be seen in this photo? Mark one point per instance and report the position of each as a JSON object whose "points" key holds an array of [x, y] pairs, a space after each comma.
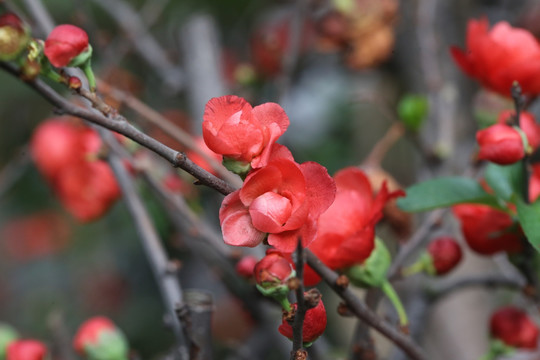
{"points": [[233, 128], [26, 350], [87, 190], [282, 200], [55, 144], [514, 327], [501, 56], [90, 331], [534, 183], [64, 43], [527, 123], [314, 324], [487, 230], [273, 269], [445, 253], [501, 144], [346, 230], [245, 266], [61, 151]]}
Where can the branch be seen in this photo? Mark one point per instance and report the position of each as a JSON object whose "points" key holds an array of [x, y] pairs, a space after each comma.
{"points": [[172, 130], [414, 242], [300, 313], [362, 311], [443, 289], [167, 281], [119, 124]]}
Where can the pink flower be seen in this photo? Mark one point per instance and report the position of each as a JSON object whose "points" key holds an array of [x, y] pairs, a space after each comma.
{"points": [[234, 129], [282, 200], [245, 266], [64, 43], [26, 350], [500, 56], [501, 144], [199, 160]]}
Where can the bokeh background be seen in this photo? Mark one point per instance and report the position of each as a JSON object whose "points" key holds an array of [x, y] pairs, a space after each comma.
{"points": [[339, 78]]}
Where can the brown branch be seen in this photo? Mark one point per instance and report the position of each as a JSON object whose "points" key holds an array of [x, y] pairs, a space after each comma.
{"points": [[358, 308], [381, 148], [122, 126], [300, 313], [443, 289], [167, 281], [172, 130]]}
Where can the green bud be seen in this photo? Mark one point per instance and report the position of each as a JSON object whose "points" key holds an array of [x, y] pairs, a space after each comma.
{"points": [[112, 345], [372, 273], [238, 167], [7, 335], [412, 110]]}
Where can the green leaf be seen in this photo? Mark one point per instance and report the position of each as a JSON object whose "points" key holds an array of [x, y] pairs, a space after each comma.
{"points": [[412, 110], [529, 218], [443, 192], [506, 181]]}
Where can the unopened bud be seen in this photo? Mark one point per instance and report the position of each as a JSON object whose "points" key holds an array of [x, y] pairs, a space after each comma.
{"points": [[14, 35]]}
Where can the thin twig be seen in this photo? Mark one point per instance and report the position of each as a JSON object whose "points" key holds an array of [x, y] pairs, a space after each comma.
{"points": [[167, 281], [358, 308], [121, 125], [414, 242], [172, 130], [148, 48], [300, 312], [381, 148], [13, 170], [442, 289]]}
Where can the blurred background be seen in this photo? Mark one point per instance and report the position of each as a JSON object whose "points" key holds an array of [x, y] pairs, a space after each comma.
{"points": [[339, 69]]}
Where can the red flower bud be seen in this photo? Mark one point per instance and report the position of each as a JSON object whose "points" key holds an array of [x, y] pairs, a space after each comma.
{"points": [[64, 44], [13, 36], [246, 266], [26, 350], [314, 324], [273, 269], [501, 144], [527, 123], [99, 335], [445, 253], [514, 327]]}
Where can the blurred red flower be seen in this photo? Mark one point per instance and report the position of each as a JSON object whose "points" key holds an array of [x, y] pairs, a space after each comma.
{"points": [[514, 327], [26, 350], [445, 253], [34, 236], [488, 230], [500, 56]]}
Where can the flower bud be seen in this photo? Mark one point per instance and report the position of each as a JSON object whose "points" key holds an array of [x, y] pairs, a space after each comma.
{"points": [[273, 270], [514, 328], [314, 324], [99, 339], [67, 45], [7, 335], [14, 35], [246, 266], [501, 144], [26, 350], [444, 253]]}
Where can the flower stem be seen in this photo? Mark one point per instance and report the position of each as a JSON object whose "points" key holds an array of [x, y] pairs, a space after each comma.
{"points": [[389, 291], [87, 68]]}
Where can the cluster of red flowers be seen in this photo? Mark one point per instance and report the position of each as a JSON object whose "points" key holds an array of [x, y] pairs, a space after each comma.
{"points": [[66, 154]]}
